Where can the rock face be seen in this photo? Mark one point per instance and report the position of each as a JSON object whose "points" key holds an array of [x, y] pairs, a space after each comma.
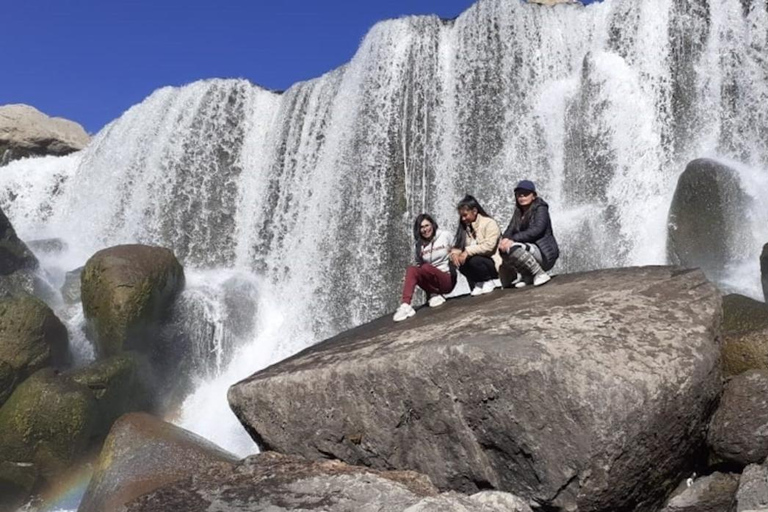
{"points": [[279, 483], [753, 489], [706, 216], [739, 429], [563, 394], [745, 332], [17, 263], [764, 271], [142, 453], [713, 493], [127, 292], [25, 131], [31, 338], [46, 424]]}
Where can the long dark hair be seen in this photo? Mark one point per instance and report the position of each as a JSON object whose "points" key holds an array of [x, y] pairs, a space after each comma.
{"points": [[520, 217], [470, 203], [417, 233]]}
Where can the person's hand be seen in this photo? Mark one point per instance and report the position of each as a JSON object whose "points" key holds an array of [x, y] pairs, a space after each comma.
{"points": [[454, 257], [463, 258], [505, 244]]}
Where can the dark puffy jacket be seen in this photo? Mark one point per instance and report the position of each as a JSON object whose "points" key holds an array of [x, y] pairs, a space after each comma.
{"points": [[535, 228]]}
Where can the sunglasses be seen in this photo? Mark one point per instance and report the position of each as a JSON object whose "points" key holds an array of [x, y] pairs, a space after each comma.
{"points": [[522, 193]]}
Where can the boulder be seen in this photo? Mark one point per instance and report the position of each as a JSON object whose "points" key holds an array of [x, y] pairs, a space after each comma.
{"points": [[120, 384], [752, 495], [31, 338], [17, 263], [739, 429], [70, 290], [48, 245], [142, 453], [764, 271], [279, 483], [25, 131], [127, 293], [590, 392], [45, 426], [706, 218], [712, 493], [745, 334]]}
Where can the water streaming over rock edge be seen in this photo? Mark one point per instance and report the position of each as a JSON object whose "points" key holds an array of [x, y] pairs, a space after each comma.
{"points": [[314, 189]]}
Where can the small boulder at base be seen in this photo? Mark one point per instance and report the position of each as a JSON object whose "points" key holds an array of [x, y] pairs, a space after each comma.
{"points": [[739, 429], [752, 495], [279, 483], [712, 493], [745, 334], [142, 453], [25, 131], [706, 217], [590, 393], [127, 293], [46, 426], [31, 338]]}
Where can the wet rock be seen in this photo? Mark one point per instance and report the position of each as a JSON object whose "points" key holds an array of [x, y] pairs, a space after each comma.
{"points": [[562, 394], [70, 290], [276, 483], [745, 334], [764, 271], [17, 263], [713, 493], [752, 495], [25, 131], [142, 453], [739, 429], [31, 338], [48, 245], [46, 425], [120, 384], [127, 292], [706, 217]]}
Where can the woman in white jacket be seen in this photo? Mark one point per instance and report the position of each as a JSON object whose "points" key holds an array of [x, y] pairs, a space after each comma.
{"points": [[431, 271]]}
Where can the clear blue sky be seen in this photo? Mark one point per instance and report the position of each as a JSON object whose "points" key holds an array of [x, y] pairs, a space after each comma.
{"points": [[90, 60]]}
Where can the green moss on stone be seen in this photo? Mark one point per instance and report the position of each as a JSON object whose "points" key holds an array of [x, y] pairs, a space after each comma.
{"points": [[742, 314]]}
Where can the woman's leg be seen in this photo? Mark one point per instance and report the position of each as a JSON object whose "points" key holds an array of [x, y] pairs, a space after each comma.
{"points": [[478, 269], [433, 280], [527, 259], [411, 280]]}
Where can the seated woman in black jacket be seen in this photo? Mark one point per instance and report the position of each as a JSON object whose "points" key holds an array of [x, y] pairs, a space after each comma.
{"points": [[528, 247]]}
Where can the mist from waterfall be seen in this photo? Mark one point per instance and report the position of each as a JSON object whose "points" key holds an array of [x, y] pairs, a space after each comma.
{"points": [[307, 196]]}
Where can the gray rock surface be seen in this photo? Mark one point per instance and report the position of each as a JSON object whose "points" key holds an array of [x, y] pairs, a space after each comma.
{"points": [[752, 495], [739, 428], [712, 493], [745, 335], [142, 453], [25, 131], [17, 263], [706, 217], [278, 483], [590, 392], [764, 271]]}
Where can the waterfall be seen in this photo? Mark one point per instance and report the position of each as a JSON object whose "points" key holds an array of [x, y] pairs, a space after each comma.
{"points": [[311, 192]]}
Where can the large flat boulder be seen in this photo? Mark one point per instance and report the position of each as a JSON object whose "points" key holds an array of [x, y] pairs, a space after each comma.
{"points": [[590, 392], [25, 131], [270, 482]]}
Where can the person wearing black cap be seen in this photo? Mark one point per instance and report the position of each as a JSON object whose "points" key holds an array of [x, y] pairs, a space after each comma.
{"points": [[528, 247]]}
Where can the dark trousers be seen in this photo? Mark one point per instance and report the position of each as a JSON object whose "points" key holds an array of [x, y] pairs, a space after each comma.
{"points": [[429, 278], [478, 269]]}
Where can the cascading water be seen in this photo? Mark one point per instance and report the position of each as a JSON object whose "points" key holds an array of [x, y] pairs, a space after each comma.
{"points": [[313, 190]]}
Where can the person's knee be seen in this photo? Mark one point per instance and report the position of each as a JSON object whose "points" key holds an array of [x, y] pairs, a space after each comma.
{"points": [[412, 271]]}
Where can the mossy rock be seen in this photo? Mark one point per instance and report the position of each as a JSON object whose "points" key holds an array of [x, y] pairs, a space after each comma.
{"points": [[31, 338], [127, 293], [120, 384], [8, 376], [47, 424], [742, 314]]}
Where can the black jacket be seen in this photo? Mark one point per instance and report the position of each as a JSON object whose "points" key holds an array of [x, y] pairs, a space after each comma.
{"points": [[535, 228]]}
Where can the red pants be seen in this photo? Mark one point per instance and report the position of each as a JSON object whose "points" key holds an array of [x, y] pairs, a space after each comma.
{"points": [[430, 279]]}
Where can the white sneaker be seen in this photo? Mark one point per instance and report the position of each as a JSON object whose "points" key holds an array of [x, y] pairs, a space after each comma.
{"points": [[521, 284], [488, 286], [436, 301], [477, 290], [540, 279], [403, 312]]}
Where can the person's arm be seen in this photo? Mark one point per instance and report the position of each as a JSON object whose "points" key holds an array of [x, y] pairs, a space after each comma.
{"points": [[488, 240], [510, 228], [536, 228]]}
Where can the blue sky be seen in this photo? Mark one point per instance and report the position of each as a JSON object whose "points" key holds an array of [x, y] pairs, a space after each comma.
{"points": [[90, 60]]}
